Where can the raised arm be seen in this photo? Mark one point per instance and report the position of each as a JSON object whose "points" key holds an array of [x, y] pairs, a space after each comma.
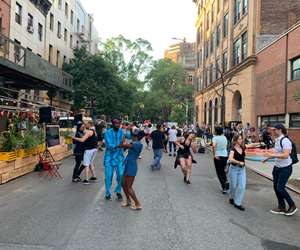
{"points": [[85, 137]]}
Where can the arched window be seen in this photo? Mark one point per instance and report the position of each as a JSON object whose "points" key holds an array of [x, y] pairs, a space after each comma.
{"points": [[216, 111], [210, 110], [205, 113]]}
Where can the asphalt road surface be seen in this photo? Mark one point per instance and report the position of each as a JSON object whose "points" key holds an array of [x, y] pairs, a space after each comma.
{"points": [[38, 213]]}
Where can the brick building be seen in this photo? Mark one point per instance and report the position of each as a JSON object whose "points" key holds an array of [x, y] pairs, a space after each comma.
{"points": [[278, 80], [4, 16], [184, 54], [229, 33]]}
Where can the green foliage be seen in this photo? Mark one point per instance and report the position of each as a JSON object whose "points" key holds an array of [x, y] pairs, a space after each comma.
{"points": [[168, 94], [30, 141], [8, 142]]}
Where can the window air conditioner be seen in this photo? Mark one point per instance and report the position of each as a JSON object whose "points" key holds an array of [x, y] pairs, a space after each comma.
{"points": [[30, 29]]}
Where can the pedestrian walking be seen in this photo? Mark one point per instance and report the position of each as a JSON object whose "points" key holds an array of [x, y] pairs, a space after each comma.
{"points": [[90, 141], [285, 156], [114, 158], [220, 154], [172, 134], [166, 135], [237, 170], [157, 137], [184, 155], [147, 132], [78, 151], [130, 171]]}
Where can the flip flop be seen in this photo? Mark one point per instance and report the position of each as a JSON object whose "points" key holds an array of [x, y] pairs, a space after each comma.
{"points": [[133, 207], [125, 204]]}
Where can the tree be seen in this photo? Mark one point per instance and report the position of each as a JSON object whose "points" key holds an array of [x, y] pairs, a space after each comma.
{"points": [[167, 90], [97, 85], [132, 58]]}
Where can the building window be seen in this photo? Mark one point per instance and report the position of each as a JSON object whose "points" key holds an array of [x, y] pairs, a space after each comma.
{"points": [[295, 74], [17, 51], [57, 58], [66, 10], [295, 120], [218, 68], [66, 35], [198, 37], [207, 21], [199, 59], [59, 4], [236, 52], [78, 25], [218, 5], [218, 31], [72, 16], [30, 23], [273, 120], [216, 109], [245, 7], [206, 49], [51, 21], [212, 41], [58, 29], [1, 27], [211, 73], [65, 59], [244, 45], [225, 62], [18, 16], [71, 41], [40, 32], [190, 79], [213, 13], [205, 113], [210, 109], [237, 11], [225, 26], [50, 53]]}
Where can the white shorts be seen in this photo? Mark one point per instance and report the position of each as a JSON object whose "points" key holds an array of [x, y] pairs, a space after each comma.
{"points": [[89, 157]]}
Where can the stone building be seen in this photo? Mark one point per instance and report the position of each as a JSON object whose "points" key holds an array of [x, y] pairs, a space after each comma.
{"points": [[229, 33]]}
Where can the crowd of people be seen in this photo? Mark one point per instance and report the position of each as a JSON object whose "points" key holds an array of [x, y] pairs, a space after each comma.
{"points": [[123, 148]]}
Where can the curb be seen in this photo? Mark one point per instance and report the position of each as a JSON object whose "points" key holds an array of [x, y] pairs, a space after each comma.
{"points": [[290, 187]]}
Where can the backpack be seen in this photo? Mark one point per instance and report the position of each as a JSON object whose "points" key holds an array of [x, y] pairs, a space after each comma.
{"points": [[293, 153]]}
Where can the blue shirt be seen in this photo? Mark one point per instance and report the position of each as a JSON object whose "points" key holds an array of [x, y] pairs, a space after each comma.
{"points": [[134, 151], [221, 145], [113, 155]]}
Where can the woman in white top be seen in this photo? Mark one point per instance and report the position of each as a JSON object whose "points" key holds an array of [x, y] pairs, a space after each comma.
{"points": [[172, 134]]}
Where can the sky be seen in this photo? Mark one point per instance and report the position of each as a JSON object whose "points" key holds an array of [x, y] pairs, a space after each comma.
{"points": [[157, 21]]}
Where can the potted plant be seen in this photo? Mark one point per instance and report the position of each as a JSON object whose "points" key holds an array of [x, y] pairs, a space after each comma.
{"points": [[8, 145]]}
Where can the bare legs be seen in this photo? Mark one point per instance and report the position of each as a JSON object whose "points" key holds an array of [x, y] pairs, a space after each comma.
{"points": [[186, 168], [129, 192]]}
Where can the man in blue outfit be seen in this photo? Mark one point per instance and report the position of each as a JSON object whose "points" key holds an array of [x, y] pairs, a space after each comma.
{"points": [[114, 158]]}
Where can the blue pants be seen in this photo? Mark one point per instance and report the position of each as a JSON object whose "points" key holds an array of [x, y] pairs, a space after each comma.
{"points": [[157, 157], [172, 146], [237, 184], [280, 179], [109, 173]]}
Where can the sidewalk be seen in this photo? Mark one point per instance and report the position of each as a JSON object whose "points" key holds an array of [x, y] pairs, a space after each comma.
{"points": [[265, 169]]}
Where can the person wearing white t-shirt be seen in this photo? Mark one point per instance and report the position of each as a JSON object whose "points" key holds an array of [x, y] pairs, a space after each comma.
{"points": [[172, 139], [282, 171]]}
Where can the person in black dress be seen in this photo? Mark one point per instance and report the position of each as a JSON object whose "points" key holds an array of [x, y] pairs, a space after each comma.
{"points": [[78, 151], [184, 155]]}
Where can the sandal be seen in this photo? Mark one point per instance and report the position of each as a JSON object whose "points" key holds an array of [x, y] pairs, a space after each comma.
{"points": [[125, 204], [135, 208]]}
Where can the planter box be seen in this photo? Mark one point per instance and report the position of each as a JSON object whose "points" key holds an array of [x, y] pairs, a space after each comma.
{"points": [[26, 161], [8, 156]]}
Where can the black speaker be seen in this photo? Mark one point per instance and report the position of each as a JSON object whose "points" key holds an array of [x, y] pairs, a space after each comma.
{"points": [[45, 115], [77, 118]]}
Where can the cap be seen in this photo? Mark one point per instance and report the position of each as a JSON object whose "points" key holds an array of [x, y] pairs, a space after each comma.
{"points": [[279, 126]]}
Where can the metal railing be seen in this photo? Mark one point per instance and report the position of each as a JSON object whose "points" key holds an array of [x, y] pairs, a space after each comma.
{"points": [[12, 51]]}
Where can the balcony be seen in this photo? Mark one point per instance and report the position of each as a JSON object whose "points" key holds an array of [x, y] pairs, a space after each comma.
{"points": [[22, 69], [42, 5]]}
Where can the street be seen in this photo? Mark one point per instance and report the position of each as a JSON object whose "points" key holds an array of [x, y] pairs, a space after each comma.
{"points": [[38, 213]]}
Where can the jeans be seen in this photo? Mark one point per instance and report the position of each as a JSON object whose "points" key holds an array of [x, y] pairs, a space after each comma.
{"points": [[237, 184], [157, 157], [172, 146], [220, 166], [78, 160], [280, 179]]}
